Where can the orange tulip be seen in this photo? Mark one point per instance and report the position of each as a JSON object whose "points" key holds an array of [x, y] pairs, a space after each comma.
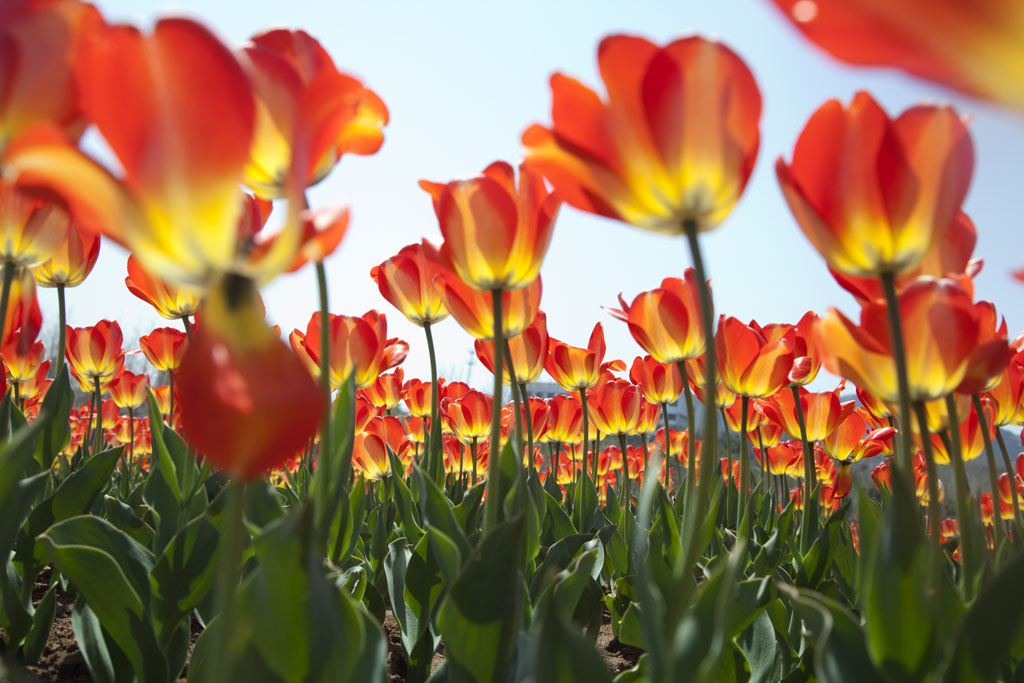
{"points": [[163, 398], [666, 321], [474, 311], [697, 377], [950, 256], [565, 420], [659, 382], [944, 334], [675, 141], [40, 40], [822, 412], [528, 349], [30, 229], [882, 476], [575, 368], [406, 280], [782, 458], [365, 413], [247, 402], [615, 407], [300, 94], [469, 417], [71, 261], [806, 362], [1006, 395], [386, 391], [34, 389], [128, 390], [321, 234], [21, 362], [418, 396], [991, 354], [749, 364], [495, 233], [872, 194], [358, 345], [370, 457], [164, 348], [851, 441], [170, 301], [94, 353], [974, 47], [875, 406], [972, 437]]}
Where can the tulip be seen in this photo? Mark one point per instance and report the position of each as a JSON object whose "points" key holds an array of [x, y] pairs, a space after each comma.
{"points": [[418, 397], [666, 321], [370, 457], [33, 390], [298, 89], [128, 390], [750, 365], [30, 229], [474, 310], [674, 142], [170, 301], [659, 382], [71, 261], [263, 406], [359, 346], [406, 280], [22, 364], [873, 195], [851, 440], [822, 413], [386, 391], [164, 348], [973, 47], [94, 353], [528, 351]]}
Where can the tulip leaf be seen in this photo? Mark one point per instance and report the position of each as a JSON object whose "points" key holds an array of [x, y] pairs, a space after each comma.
{"points": [[111, 571], [564, 655], [106, 661], [436, 510], [42, 620], [55, 412], [480, 618], [992, 625]]}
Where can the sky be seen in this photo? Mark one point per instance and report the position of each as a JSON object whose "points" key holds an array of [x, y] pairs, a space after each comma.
{"points": [[463, 79]]}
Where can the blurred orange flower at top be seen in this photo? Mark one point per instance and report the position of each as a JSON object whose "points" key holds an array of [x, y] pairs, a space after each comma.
{"points": [[473, 309], [675, 141], [160, 101], [247, 403], [170, 301], [974, 46], [301, 98], [528, 349], [406, 280], [874, 194], [38, 44], [495, 232], [749, 364]]}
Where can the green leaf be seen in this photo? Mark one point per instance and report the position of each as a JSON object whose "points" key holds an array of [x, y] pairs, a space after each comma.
{"points": [[42, 620], [56, 428], [111, 571], [436, 510], [840, 653], [761, 650], [106, 661], [565, 656], [480, 618], [992, 624]]}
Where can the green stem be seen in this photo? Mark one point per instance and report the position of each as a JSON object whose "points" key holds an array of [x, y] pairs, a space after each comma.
{"points": [[691, 442], [963, 489], [993, 477], [324, 454], [693, 515], [529, 425], [493, 466], [1017, 516], [61, 330], [170, 392], [472, 451], [744, 465], [934, 537], [5, 295], [131, 449], [435, 399], [517, 438], [586, 438], [625, 469], [810, 474], [904, 458], [229, 574], [97, 437]]}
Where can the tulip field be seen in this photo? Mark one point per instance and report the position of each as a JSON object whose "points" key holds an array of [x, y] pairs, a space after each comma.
{"points": [[740, 501]]}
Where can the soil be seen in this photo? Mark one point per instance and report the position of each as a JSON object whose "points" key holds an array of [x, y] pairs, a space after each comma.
{"points": [[62, 661]]}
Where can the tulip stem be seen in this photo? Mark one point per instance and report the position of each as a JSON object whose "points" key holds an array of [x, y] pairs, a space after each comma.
{"points": [[586, 438], [810, 474], [229, 573], [993, 478], [691, 441], [892, 305], [188, 326], [963, 489], [693, 515], [61, 329], [527, 413], [744, 465], [5, 295], [97, 437], [668, 444], [324, 453], [472, 451], [625, 469], [518, 440], [434, 397], [494, 457], [1013, 488], [934, 537], [170, 393], [131, 449]]}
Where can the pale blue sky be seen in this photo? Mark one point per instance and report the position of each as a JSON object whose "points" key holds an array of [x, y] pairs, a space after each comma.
{"points": [[463, 79]]}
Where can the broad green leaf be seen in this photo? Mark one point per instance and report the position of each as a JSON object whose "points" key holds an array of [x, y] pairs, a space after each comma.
{"points": [[42, 620], [565, 656]]}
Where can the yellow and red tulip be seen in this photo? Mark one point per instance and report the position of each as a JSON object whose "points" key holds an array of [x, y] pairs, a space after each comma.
{"points": [[577, 368], [528, 350], [749, 364], [129, 390], [473, 309], [666, 322], [170, 301], [406, 280]]}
